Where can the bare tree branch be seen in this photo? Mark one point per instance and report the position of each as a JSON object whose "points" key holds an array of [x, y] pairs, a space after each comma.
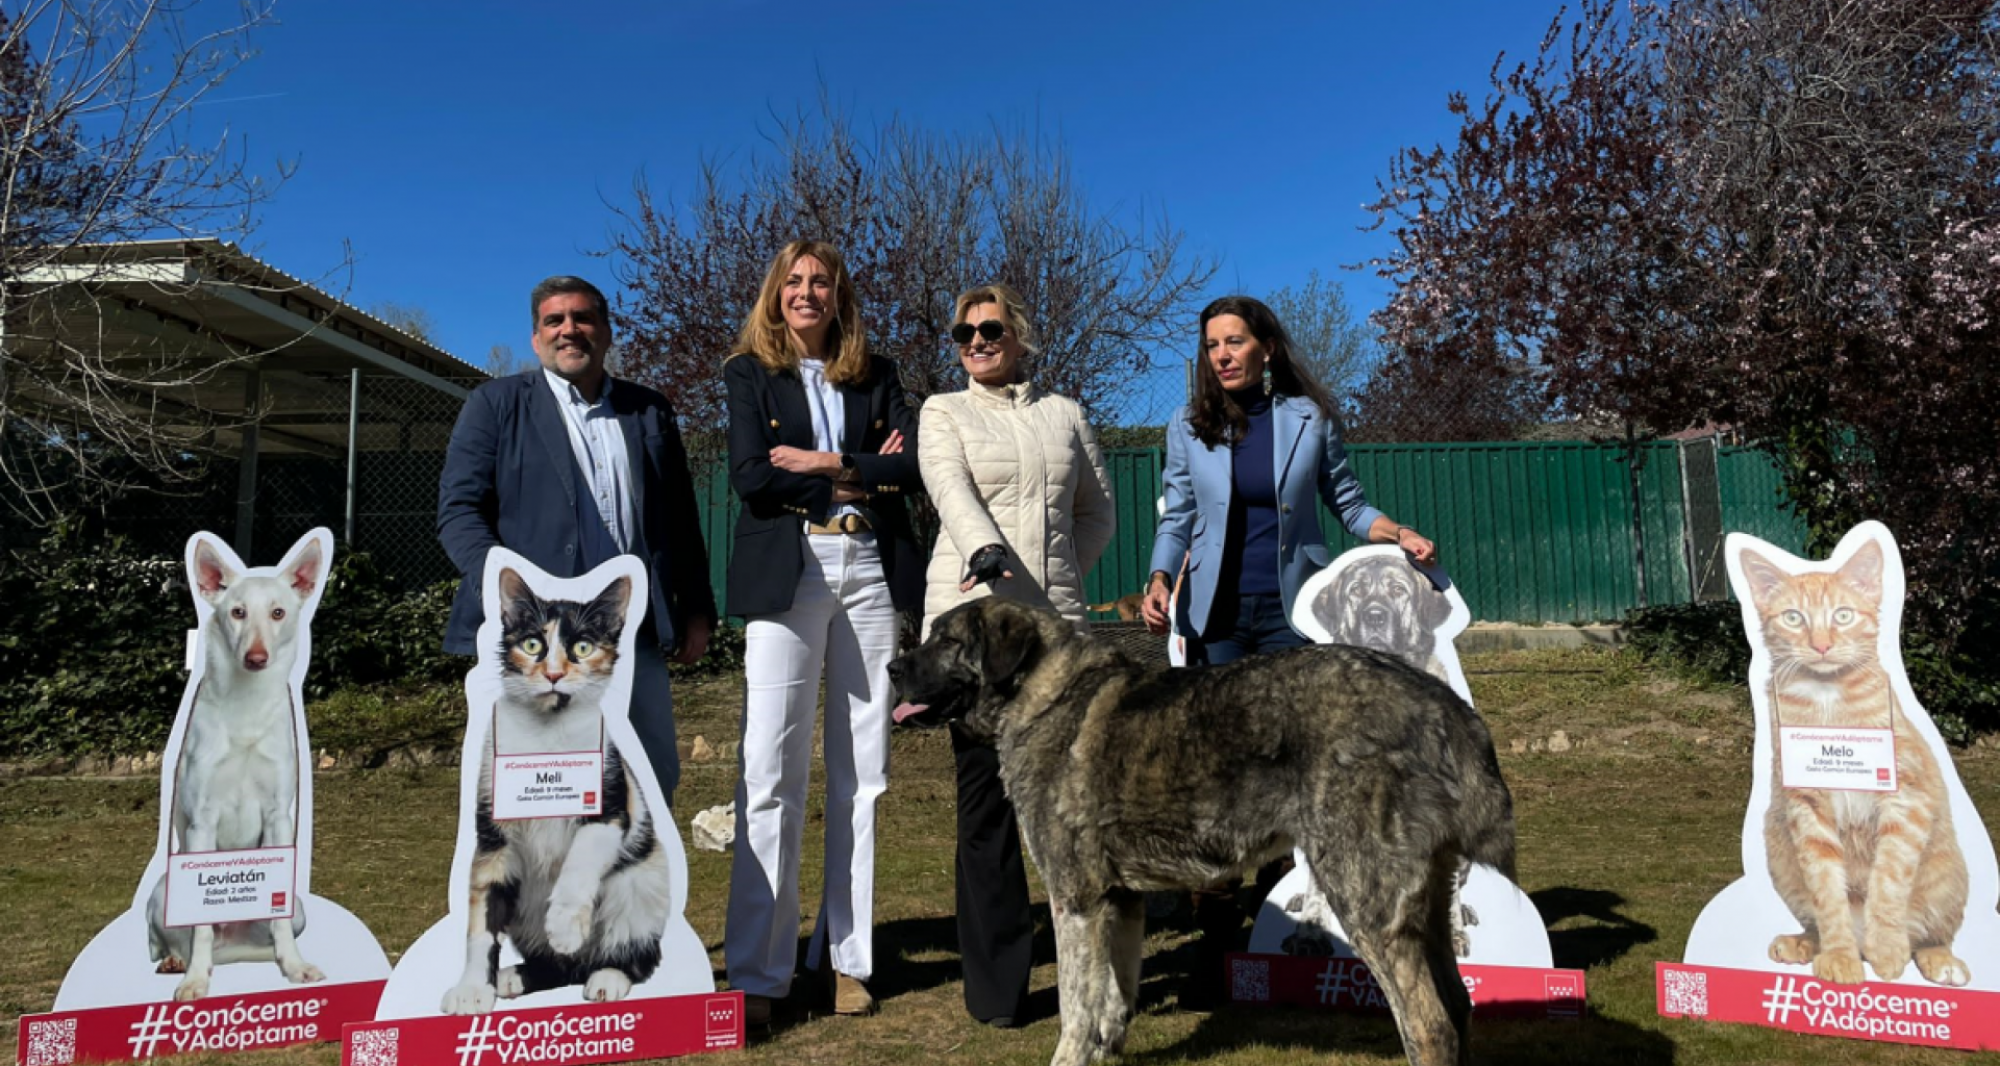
{"points": [[919, 218], [98, 146], [1783, 217]]}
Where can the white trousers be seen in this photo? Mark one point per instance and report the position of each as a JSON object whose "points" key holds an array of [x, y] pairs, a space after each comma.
{"points": [[842, 621]]}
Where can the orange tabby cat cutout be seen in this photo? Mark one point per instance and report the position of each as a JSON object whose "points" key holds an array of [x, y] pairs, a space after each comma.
{"points": [[1869, 884]]}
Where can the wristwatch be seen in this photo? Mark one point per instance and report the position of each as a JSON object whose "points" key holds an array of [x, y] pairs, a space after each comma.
{"points": [[849, 469]]}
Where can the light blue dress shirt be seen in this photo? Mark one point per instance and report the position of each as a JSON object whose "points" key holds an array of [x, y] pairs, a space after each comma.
{"points": [[829, 414], [598, 443]]}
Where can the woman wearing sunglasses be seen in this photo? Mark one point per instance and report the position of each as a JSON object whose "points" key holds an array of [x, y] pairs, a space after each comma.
{"points": [[1024, 510], [824, 557], [1248, 464]]}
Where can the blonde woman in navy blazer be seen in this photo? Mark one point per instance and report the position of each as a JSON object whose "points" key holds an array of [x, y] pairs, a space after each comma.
{"points": [[1248, 463], [822, 453]]}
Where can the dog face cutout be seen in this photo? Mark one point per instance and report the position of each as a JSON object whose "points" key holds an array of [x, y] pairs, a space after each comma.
{"points": [[1375, 597], [258, 622], [236, 800]]}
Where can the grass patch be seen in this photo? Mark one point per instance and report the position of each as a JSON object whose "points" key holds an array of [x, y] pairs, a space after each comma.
{"points": [[1624, 837]]}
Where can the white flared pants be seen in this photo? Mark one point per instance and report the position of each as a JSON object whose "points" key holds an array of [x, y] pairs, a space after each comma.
{"points": [[843, 624]]}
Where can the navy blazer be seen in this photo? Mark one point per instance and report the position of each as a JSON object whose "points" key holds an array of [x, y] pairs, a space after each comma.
{"points": [[769, 409], [1311, 467], [510, 478]]}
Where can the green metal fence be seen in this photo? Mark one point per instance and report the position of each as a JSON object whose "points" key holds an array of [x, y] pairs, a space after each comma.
{"points": [[1530, 531]]}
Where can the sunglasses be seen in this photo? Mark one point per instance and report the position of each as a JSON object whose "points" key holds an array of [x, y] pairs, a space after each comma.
{"points": [[991, 330]]}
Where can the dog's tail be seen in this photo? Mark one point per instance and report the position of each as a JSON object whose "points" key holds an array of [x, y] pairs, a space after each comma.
{"points": [[1487, 807], [1492, 843]]}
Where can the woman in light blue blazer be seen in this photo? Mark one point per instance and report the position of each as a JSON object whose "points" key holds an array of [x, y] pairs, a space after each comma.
{"points": [[1247, 465]]}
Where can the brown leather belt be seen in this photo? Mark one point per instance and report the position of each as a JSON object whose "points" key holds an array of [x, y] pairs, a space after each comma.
{"points": [[842, 523]]}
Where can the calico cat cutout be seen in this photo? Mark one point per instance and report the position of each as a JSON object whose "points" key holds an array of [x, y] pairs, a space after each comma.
{"points": [[582, 899], [1874, 876]]}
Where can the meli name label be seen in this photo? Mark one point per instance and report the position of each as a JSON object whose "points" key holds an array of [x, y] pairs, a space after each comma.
{"points": [[1861, 760], [566, 784], [210, 887]]}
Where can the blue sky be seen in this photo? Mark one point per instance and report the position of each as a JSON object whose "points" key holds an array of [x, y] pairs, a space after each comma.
{"points": [[466, 150]]}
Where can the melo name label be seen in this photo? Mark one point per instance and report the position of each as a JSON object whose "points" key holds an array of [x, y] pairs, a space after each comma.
{"points": [[1856, 760]]}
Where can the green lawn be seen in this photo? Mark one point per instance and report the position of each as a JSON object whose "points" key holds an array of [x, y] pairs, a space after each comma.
{"points": [[1623, 838]]}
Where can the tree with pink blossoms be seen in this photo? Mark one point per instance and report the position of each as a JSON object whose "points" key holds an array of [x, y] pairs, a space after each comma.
{"points": [[1781, 217]]}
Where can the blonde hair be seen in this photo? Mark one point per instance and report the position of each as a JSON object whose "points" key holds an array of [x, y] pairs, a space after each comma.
{"points": [[1012, 308], [768, 340]]}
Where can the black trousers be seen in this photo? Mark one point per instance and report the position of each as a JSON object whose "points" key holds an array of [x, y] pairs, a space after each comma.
{"points": [[995, 927]]}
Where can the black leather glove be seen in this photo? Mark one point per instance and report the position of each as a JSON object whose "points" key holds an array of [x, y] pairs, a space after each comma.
{"points": [[988, 564]]}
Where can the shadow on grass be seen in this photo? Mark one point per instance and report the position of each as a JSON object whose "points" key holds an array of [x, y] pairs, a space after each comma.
{"points": [[1609, 935], [1495, 1042], [906, 962]]}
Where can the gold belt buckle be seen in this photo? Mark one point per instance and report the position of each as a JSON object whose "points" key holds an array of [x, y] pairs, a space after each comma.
{"points": [[844, 524]]}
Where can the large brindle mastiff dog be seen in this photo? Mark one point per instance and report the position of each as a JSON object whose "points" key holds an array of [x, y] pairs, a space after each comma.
{"points": [[1129, 779]]}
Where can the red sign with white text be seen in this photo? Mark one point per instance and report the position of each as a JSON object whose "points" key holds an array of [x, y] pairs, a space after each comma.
{"points": [[570, 1036], [300, 1015], [1893, 1013], [1346, 984]]}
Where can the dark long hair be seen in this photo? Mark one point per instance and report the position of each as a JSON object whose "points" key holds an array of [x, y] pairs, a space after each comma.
{"points": [[1215, 415]]}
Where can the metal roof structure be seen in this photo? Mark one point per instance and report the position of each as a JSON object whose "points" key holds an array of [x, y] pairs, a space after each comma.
{"points": [[279, 346], [249, 361]]}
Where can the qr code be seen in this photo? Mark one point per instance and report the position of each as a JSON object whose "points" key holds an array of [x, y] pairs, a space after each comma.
{"points": [[1250, 980], [1687, 994], [374, 1047], [52, 1043]]}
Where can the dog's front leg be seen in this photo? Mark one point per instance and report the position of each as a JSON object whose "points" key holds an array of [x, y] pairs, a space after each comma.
{"points": [[1073, 966], [475, 991], [292, 964], [201, 963], [284, 943], [1125, 945], [1088, 979], [200, 836], [573, 901]]}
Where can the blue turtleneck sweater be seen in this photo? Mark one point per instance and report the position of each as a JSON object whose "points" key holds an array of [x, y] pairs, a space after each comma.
{"points": [[1251, 551]]}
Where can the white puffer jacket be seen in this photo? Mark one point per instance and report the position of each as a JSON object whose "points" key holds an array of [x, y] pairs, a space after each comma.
{"points": [[1019, 467]]}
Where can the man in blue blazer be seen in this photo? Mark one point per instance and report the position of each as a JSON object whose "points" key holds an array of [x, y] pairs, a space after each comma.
{"points": [[571, 467]]}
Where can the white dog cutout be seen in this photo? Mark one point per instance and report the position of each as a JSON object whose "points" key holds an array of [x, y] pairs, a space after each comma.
{"points": [[1375, 597], [460, 966], [235, 839]]}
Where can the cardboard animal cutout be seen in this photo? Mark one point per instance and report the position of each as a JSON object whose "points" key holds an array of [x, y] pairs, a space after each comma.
{"points": [[225, 910], [568, 880], [1176, 640], [1865, 864], [1375, 597]]}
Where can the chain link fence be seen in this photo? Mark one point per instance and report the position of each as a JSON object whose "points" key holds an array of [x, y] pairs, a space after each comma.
{"points": [[1135, 413], [1701, 502], [398, 431]]}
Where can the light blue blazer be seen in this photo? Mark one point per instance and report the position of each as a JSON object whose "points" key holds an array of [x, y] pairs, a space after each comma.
{"points": [[1311, 466]]}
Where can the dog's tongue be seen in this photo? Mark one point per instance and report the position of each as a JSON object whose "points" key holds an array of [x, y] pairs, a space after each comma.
{"points": [[904, 710]]}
